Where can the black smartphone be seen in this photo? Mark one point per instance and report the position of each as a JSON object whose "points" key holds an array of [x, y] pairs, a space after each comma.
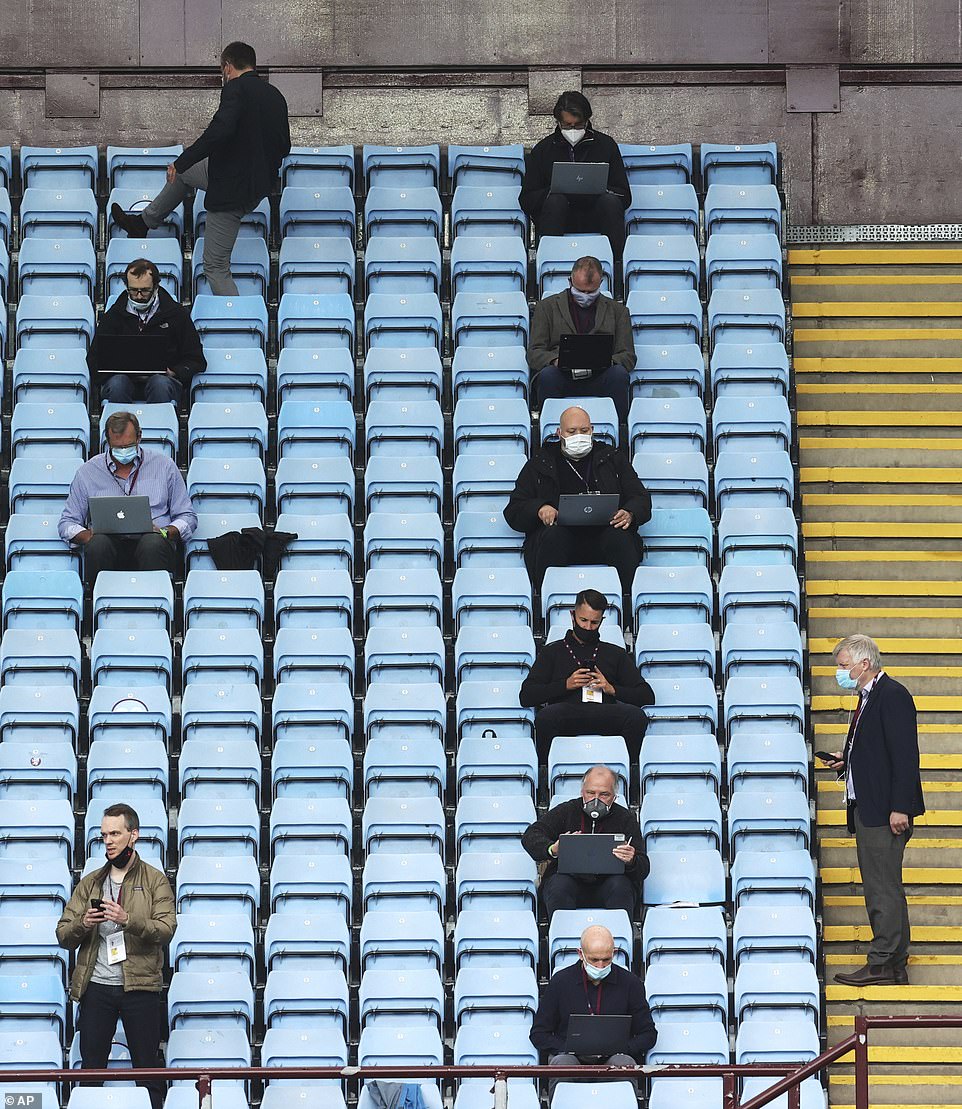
{"points": [[826, 756], [96, 903]]}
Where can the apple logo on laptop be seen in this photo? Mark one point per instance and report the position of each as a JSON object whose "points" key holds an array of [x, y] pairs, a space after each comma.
{"points": [[120, 515]]}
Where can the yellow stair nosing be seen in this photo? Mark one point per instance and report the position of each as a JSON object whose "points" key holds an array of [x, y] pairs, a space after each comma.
{"points": [[852, 613], [824, 702], [942, 843], [930, 670], [876, 334], [913, 1079], [845, 279], [876, 309], [912, 875], [878, 529], [845, 959], [880, 364], [849, 900], [895, 645], [948, 729], [878, 587], [939, 818], [880, 475], [902, 388], [924, 933], [854, 555], [874, 256], [830, 785], [877, 443], [879, 417], [890, 500]]}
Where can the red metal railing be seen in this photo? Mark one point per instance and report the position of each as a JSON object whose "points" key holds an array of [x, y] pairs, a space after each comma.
{"points": [[788, 1075]]}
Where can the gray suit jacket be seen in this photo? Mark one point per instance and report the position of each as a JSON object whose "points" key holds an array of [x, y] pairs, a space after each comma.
{"points": [[552, 319]]}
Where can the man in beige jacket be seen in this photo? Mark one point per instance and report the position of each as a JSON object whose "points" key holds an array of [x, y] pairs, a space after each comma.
{"points": [[119, 919]]}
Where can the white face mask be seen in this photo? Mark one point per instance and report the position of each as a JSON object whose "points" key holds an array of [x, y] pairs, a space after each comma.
{"points": [[574, 135], [142, 307], [576, 446], [583, 299]]}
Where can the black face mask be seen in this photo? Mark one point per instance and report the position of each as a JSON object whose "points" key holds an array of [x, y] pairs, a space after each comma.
{"points": [[588, 636], [123, 858], [596, 809]]}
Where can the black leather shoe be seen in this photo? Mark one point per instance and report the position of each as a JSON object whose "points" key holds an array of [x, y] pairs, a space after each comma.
{"points": [[130, 222], [868, 976], [900, 975]]}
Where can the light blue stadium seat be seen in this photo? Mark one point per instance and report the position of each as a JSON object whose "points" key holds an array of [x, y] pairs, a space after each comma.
{"points": [[309, 264], [403, 825], [210, 525], [310, 826], [749, 478], [743, 262], [811, 1093], [58, 375], [495, 995], [314, 655], [232, 374], [295, 942], [5, 271], [136, 166], [36, 830], [492, 823], [399, 212], [670, 317], [32, 713], [218, 885], [51, 430], [749, 369], [485, 165], [321, 543], [250, 266], [768, 820], [6, 216], [495, 372], [318, 429], [304, 1047], [682, 707], [220, 769], [6, 166], [743, 210], [491, 596], [751, 424], [314, 375], [773, 704], [301, 711], [38, 489], [223, 599], [402, 319], [611, 1094], [409, 883], [389, 1045], [486, 764], [657, 165], [491, 426], [678, 479], [47, 656], [130, 712], [489, 211], [255, 222], [678, 537], [131, 656], [154, 825], [408, 429], [670, 209], [692, 994], [58, 213], [746, 316], [759, 536], [484, 484], [402, 266], [400, 997], [223, 942], [313, 999], [684, 934], [135, 199], [139, 767], [231, 321], [213, 826], [38, 769], [302, 768], [567, 926], [32, 1001], [558, 253], [488, 264], [690, 821], [690, 876], [54, 321], [234, 485], [601, 411], [63, 167], [405, 766], [773, 878], [210, 1047], [301, 883], [571, 757], [165, 253], [318, 320], [222, 713], [199, 1000], [758, 649], [562, 584], [739, 164], [402, 597], [413, 540], [404, 655], [671, 424], [143, 599], [481, 706], [403, 373], [319, 165], [766, 933], [496, 881], [82, 1097], [401, 166], [670, 370], [671, 594], [485, 539], [493, 938], [213, 655], [484, 653], [789, 1040], [761, 761], [758, 594], [313, 599], [675, 649], [294, 1047], [656, 262], [489, 319], [400, 939], [680, 764], [57, 267], [399, 710], [35, 599], [158, 422], [315, 486], [320, 211]]}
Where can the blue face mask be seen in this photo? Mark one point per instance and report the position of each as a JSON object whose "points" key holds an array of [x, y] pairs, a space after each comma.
{"points": [[123, 456], [596, 973], [844, 679]]}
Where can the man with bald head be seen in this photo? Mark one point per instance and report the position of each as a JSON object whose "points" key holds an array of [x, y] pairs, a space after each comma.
{"points": [[594, 811], [593, 985], [574, 464]]}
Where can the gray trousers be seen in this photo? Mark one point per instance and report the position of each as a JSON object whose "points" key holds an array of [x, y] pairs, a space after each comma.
{"points": [[880, 861], [220, 232], [567, 1060]]}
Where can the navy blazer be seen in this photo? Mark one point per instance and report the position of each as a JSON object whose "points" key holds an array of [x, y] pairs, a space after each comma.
{"points": [[884, 755]]}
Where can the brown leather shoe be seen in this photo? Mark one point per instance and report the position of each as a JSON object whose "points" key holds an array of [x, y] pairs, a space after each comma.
{"points": [[130, 222], [868, 976], [900, 975]]}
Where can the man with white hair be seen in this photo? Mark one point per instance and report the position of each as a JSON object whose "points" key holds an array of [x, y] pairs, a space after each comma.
{"points": [[883, 793], [593, 986]]}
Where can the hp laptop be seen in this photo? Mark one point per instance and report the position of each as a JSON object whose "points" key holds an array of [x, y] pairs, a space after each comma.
{"points": [[585, 510], [579, 178]]}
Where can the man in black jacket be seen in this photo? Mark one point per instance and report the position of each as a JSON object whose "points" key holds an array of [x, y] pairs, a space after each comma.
{"points": [[236, 160], [594, 811], [576, 464], [587, 686], [883, 793], [147, 309], [594, 985], [575, 140]]}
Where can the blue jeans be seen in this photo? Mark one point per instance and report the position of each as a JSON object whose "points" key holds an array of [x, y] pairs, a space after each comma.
{"points": [[152, 389], [613, 382]]}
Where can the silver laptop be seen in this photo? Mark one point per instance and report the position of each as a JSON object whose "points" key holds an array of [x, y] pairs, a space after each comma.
{"points": [[579, 178], [121, 515], [579, 510]]}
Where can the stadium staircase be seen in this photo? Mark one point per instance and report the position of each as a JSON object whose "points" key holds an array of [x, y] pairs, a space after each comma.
{"points": [[879, 393]]}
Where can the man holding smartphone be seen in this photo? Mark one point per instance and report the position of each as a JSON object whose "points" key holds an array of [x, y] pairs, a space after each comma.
{"points": [[587, 686], [119, 919]]}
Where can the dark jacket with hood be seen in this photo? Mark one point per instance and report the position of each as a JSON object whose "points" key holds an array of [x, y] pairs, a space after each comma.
{"points": [[594, 147]]}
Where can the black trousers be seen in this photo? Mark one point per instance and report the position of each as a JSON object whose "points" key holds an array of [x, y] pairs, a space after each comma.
{"points": [[564, 546], [121, 552], [139, 1010], [604, 215], [572, 718], [566, 891]]}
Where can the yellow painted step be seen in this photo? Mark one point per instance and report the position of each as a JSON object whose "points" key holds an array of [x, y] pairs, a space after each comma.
{"points": [[917, 1055], [881, 529], [866, 476], [831, 785], [849, 900], [913, 1079], [923, 645], [929, 994], [891, 500], [844, 959], [805, 365], [941, 729], [938, 818], [874, 334], [873, 256], [876, 309], [913, 844], [870, 587], [900, 671], [887, 613], [842, 933], [911, 875], [832, 702], [877, 279], [879, 417], [876, 442], [883, 556]]}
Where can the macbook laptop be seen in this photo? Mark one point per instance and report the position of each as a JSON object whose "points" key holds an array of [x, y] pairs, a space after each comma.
{"points": [[121, 515], [579, 178], [599, 1036], [584, 355], [590, 854], [133, 354], [582, 510]]}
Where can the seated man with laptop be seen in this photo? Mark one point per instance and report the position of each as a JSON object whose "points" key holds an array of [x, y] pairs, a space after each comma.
{"points": [[146, 347], [575, 180], [127, 507], [592, 848], [579, 502], [585, 685], [581, 343], [594, 1012]]}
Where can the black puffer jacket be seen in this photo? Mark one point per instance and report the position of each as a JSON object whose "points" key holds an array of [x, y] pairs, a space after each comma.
{"points": [[594, 147]]}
